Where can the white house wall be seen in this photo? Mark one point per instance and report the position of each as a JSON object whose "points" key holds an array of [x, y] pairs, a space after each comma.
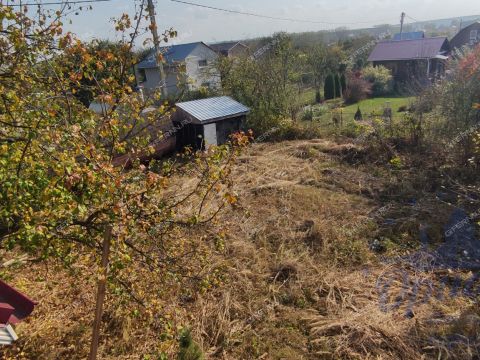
{"points": [[197, 75], [152, 78]]}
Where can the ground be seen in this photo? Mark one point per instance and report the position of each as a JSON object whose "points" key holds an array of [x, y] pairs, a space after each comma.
{"points": [[312, 267]]}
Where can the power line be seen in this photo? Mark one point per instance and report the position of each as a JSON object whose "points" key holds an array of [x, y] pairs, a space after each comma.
{"points": [[268, 16], [411, 18], [58, 3]]}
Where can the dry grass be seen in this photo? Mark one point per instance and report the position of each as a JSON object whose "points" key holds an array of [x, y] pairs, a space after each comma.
{"points": [[298, 280]]}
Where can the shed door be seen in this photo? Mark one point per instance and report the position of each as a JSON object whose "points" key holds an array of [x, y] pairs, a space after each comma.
{"points": [[210, 134]]}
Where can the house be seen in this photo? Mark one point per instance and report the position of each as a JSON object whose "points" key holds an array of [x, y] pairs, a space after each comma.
{"points": [[468, 36], [232, 49], [419, 59], [211, 121], [186, 66]]}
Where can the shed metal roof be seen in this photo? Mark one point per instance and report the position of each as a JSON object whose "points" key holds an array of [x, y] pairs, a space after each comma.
{"points": [[171, 54], [213, 109], [427, 48]]}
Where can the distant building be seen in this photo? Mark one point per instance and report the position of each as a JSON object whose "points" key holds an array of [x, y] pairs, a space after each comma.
{"points": [[422, 59], [468, 36], [416, 35], [187, 66], [232, 49]]}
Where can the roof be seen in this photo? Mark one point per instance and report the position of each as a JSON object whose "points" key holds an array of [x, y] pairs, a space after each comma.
{"points": [[14, 306], [171, 54], [464, 36], [427, 48], [213, 109], [225, 46], [409, 36], [467, 24]]}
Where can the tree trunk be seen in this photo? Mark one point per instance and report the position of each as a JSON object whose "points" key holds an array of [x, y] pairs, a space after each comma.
{"points": [[102, 284]]}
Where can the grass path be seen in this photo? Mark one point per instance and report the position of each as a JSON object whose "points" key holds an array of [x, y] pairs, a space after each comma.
{"points": [[378, 104]]}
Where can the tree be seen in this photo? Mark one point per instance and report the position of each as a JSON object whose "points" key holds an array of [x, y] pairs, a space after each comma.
{"points": [[358, 115], [62, 189], [318, 63], [266, 83], [116, 56], [321, 61], [343, 83]]}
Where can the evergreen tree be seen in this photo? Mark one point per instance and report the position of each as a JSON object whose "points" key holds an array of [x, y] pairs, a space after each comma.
{"points": [[329, 87], [358, 115], [338, 86], [343, 82]]}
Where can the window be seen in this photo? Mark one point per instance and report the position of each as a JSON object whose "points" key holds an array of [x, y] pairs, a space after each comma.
{"points": [[206, 85], [202, 63], [141, 76], [473, 35]]}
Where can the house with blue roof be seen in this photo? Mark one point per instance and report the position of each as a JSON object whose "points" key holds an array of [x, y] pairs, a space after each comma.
{"points": [[186, 66]]}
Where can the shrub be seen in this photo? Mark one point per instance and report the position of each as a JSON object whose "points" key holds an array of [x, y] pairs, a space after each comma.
{"points": [[307, 114], [319, 111], [200, 93], [357, 89], [289, 130], [381, 79], [189, 349], [454, 100]]}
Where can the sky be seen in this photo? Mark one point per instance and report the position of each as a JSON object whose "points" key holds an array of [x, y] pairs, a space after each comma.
{"points": [[200, 24]]}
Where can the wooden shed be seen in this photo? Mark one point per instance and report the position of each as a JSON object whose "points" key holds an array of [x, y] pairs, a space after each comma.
{"points": [[205, 122]]}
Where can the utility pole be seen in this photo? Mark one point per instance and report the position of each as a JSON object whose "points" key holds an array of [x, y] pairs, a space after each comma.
{"points": [[402, 19], [158, 53]]}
